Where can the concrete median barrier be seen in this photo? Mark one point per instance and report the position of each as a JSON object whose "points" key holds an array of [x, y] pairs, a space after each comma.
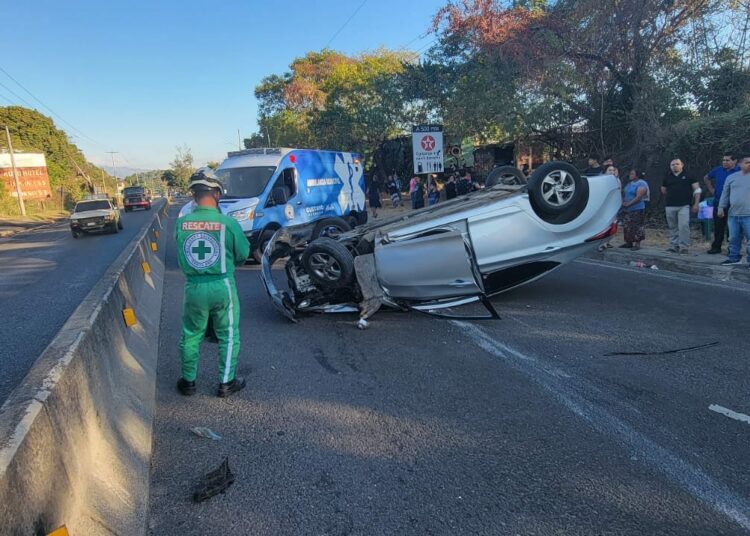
{"points": [[75, 436]]}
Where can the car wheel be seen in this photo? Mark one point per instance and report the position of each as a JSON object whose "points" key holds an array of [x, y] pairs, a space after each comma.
{"points": [[506, 175], [330, 228], [76, 234], [328, 263], [119, 224], [558, 192]]}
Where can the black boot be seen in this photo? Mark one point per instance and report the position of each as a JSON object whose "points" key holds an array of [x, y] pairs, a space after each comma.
{"points": [[185, 387], [226, 389]]}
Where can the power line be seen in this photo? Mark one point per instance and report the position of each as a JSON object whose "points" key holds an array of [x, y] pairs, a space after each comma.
{"points": [[19, 97], [45, 106], [345, 23]]}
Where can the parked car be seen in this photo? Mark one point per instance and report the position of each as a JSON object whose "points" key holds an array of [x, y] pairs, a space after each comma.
{"points": [[95, 215], [450, 254]]}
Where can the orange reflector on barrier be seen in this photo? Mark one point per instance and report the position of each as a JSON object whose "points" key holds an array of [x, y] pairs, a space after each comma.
{"points": [[146, 267], [154, 247], [62, 531], [129, 315]]}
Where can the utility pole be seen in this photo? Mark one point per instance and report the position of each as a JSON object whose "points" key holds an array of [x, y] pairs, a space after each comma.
{"points": [[239, 142], [21, 205], [114, 169]]}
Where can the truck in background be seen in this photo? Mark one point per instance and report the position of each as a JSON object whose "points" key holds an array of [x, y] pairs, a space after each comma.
{"points": [[136, 197], [266, 189]]}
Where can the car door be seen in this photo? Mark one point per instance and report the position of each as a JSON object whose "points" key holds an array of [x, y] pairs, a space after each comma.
{"points": [[287, 213], [433, 265]]}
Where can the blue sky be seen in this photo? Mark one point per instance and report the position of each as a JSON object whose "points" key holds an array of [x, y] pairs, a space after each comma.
{"points": [[141, 77]]}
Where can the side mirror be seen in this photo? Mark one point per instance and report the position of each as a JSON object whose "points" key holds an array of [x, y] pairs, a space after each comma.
{"points": [[278, 195]]}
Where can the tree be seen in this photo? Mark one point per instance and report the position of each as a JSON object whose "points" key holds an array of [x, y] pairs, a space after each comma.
{"points": [[67, 166], [610, 69], [181, 168]]}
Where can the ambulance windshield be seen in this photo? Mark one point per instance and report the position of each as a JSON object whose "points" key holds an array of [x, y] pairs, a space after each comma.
{"points": [[245, 181]]}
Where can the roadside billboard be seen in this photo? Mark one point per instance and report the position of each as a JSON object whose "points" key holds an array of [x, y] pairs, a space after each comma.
{"points": [[427, 147], [32, 175]]}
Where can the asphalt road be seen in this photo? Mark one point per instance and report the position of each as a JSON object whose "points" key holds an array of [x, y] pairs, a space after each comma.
{"points": [[424, 426], [45, 274]]}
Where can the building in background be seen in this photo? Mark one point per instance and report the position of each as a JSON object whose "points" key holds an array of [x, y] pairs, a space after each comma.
{"points": [[32, 176]]}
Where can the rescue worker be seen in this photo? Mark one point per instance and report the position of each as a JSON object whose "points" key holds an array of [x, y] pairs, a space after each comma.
{"points": [[209, 246]]}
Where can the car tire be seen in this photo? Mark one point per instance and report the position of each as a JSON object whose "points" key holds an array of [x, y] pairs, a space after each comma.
{"points": [[119, 224], [506, 175], [558, 193], [76, 234], [328, 263], [330, 228], [113, 228]]}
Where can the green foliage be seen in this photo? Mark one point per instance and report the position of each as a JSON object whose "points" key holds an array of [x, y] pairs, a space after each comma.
{"points": [[66, 165], [182, 169], [329, 100]]}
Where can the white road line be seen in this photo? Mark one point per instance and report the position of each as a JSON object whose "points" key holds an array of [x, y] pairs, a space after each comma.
{"points": [[683, 278], [690, 477], [729, 413]]}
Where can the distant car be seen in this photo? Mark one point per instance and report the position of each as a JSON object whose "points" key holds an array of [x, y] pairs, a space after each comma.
{"points": [[449, 254], [95, 215], [136, 197]]}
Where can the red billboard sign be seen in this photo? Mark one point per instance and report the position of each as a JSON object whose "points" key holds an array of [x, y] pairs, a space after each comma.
{"points": [[32, 175]]}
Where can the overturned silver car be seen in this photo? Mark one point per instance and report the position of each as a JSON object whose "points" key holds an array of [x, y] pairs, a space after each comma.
{"points": [[449, 254]]}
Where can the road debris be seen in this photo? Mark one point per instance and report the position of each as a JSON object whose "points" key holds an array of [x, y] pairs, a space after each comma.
{"points": [[214, 482]]}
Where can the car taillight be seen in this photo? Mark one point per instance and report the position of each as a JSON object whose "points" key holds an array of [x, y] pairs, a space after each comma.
{"points": [[609, 231]]}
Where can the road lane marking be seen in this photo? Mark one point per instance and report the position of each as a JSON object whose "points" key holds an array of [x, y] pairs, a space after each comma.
{"points": [[682, 278], [729, 413], [688, 476]]}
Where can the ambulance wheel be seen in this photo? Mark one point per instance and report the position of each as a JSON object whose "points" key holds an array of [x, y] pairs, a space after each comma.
{"points": [[330, 228], [328, 263]]}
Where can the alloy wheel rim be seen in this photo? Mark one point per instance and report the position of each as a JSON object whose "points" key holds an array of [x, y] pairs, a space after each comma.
{"points": [[558, 188], [325, 267]]}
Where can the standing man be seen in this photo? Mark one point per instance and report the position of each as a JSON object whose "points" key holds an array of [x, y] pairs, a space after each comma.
{"points": [[736, 196], [450, 187], [715, 185], [680, 193], [209, 246]]}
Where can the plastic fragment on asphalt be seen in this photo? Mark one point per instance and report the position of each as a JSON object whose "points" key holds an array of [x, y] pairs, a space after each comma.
{"points": [[146, 267], [214, 482], [129, 316], [62, 531], [154, 247], [363, 324], [202, 431]]}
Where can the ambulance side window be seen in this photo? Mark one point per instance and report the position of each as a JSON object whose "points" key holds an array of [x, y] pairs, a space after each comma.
{"points": [[287, 180]]}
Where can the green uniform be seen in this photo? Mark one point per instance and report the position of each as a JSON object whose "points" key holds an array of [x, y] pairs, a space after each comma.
{"points": [[209, 245]]}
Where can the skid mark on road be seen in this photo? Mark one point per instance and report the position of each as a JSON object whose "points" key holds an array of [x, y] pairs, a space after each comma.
{"points": [[729, 413], [688, 476], [322, 360]]}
